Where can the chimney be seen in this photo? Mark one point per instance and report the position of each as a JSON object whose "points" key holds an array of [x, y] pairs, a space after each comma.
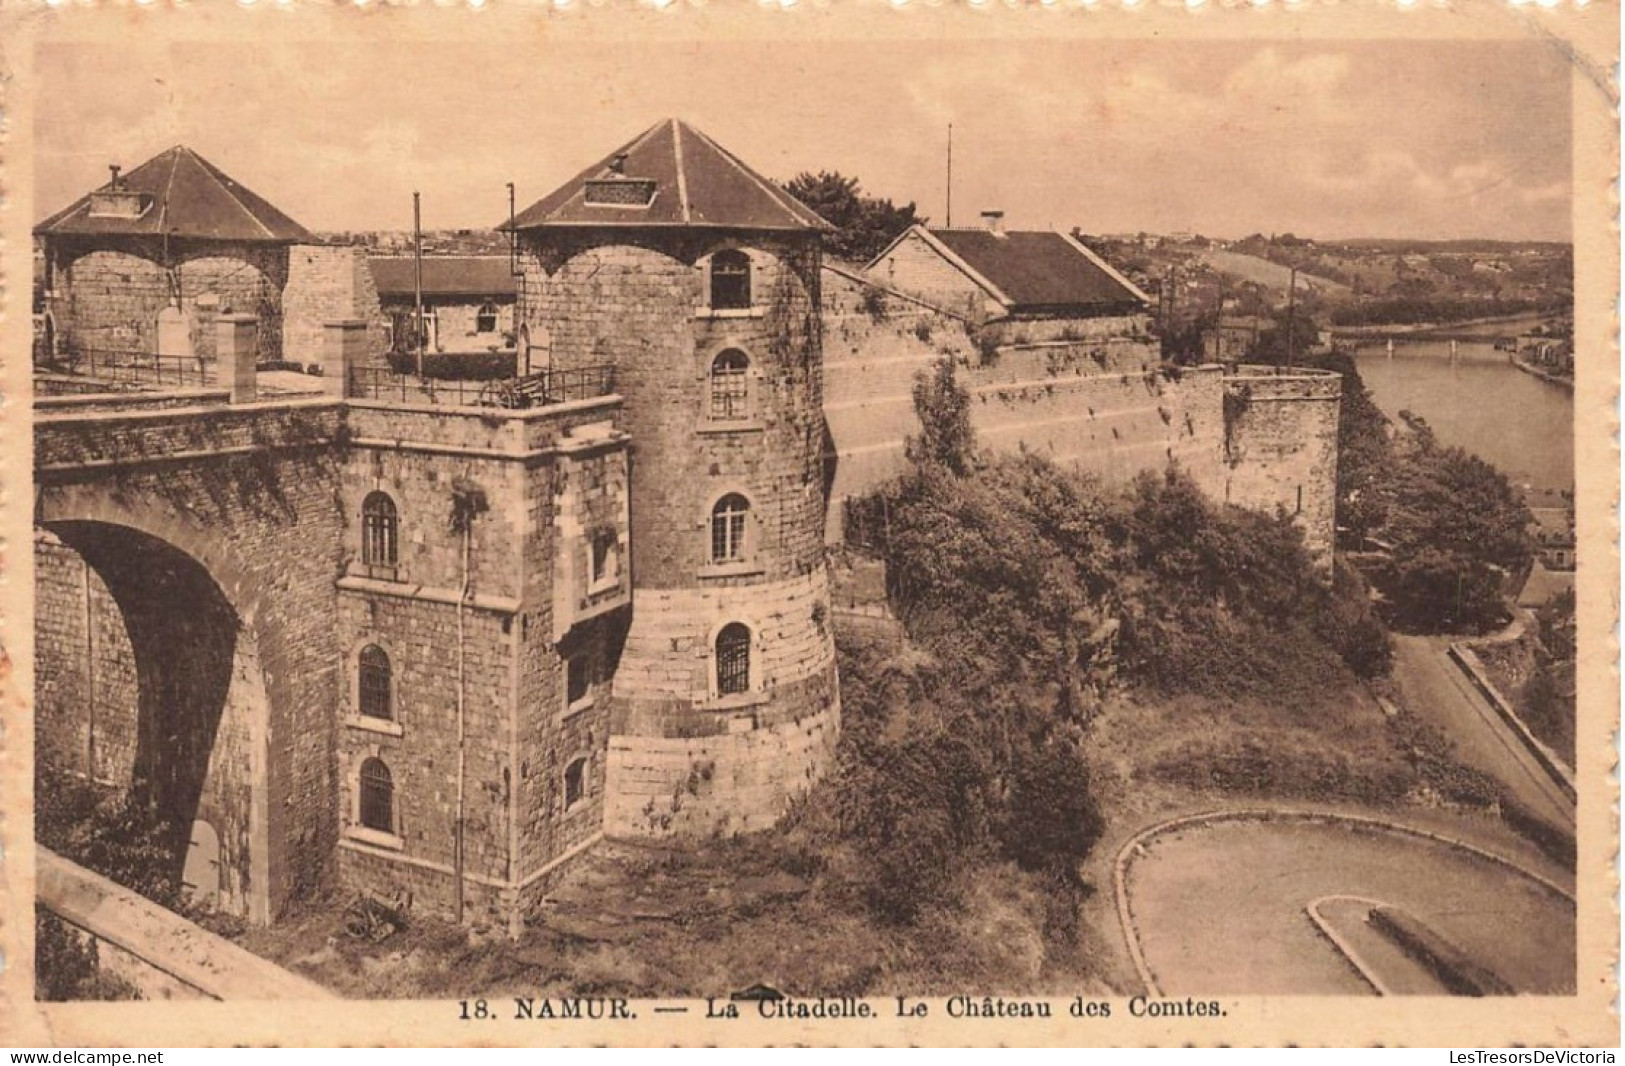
{"points": [[993, 221], [114, 167], [617, 163]]}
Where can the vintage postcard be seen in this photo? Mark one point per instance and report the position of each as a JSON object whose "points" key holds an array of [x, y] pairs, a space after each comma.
{"points": [[843, 523]]}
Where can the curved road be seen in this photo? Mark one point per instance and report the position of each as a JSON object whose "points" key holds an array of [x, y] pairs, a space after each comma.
{"points": [[1440, 694], [1222, 908]]}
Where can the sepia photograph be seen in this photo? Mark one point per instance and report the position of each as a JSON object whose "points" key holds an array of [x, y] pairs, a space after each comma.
{"points": [[854, 525]]}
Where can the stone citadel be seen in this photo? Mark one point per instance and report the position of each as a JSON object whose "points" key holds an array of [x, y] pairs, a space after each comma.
{"points": [[371, 631]]}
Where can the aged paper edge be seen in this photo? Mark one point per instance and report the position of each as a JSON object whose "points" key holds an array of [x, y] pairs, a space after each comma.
{"points": [[1588, 36]]}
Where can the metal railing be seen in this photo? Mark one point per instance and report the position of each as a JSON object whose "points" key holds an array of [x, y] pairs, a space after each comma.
{"points": [[514, 393], [119, 365]]}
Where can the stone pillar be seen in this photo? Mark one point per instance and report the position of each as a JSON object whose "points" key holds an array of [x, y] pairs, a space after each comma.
{"points": [[344, 348], [236, 350]]}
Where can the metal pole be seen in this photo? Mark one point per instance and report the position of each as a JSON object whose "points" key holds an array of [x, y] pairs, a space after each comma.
{"points": [[950, 222], [462, 607], [417, 273], [1291, 314], [90, 680]]}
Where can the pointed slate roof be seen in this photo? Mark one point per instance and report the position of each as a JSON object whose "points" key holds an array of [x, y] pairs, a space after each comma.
{"points": [[669, 175], [184, 195]]}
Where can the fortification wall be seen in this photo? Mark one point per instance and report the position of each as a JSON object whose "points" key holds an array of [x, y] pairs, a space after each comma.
{"points": [[1098, 402], [1281, 447], [668, 720]]}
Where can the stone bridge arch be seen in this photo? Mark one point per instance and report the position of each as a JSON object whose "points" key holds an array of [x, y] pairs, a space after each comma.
{"points": [[217, 681]]}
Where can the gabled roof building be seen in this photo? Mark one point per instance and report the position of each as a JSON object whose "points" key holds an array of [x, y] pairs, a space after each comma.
{"points": [[990, 274]]}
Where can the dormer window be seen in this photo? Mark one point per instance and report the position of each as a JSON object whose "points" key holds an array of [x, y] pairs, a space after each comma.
{"points": [[618, 192], [118, 203], [730, 281]]}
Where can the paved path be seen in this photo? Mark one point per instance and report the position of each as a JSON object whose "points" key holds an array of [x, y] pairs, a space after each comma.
{"points": [[1439, 693], [1221, 908]]}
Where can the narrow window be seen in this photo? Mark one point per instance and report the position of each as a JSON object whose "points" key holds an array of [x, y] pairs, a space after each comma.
{"points": [[380, 529], [575, 782], [373, 683], [485, 319], [730, 385], [730, 280], [733, 659], [377, 797], [606, 559], [728, 528], [577, 680]]}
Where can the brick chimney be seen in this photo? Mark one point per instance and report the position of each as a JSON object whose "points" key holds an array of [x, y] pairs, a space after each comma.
{"points": [[993, 221]]}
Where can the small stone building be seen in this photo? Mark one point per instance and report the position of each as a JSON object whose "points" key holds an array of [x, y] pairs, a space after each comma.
{"points": [[468, 301], [1017, 286], [146, 264]]}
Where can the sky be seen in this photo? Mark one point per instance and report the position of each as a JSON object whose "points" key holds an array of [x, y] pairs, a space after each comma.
{"points": [[1323, 139]]}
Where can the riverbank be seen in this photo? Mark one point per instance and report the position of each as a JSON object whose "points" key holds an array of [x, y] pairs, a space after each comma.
{"points": [[1549, 378], [1467, 329]]}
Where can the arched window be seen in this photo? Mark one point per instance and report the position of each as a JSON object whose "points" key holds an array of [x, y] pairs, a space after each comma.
{"points": [[733, 659], [380, 531], [575, 782], [728, 528], [377, 797], [730, 385], [372, 683], [730, 280], [485, 319]]}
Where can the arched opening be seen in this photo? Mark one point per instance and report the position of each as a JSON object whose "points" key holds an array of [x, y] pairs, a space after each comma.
{"points": [[730, 385], [733, 659], [373, 683], [377, 798], [168, 752], [200, 877], [728, 528], [380, 534]]}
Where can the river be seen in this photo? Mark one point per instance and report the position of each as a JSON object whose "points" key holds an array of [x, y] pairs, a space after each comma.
{"points": [[1481, 403]]}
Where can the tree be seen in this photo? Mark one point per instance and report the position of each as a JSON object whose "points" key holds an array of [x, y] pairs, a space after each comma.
{"points": [[1459, 532], [946, 437], [864, 225]]}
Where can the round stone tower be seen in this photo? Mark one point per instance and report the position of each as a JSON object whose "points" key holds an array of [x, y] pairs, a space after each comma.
{"points": [[697, 281]]}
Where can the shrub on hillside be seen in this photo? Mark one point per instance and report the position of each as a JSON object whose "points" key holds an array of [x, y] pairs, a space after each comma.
{"points": [[110, 833]]}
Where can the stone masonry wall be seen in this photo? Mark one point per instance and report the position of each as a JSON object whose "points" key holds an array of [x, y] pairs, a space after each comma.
{"points": [[1099, 403], [327, 283], [725, 783], [913, 266], [263, 521], [83, 677], [532, 467], [768, 745], [645, 309], [1281, 448], [111, 295]]}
